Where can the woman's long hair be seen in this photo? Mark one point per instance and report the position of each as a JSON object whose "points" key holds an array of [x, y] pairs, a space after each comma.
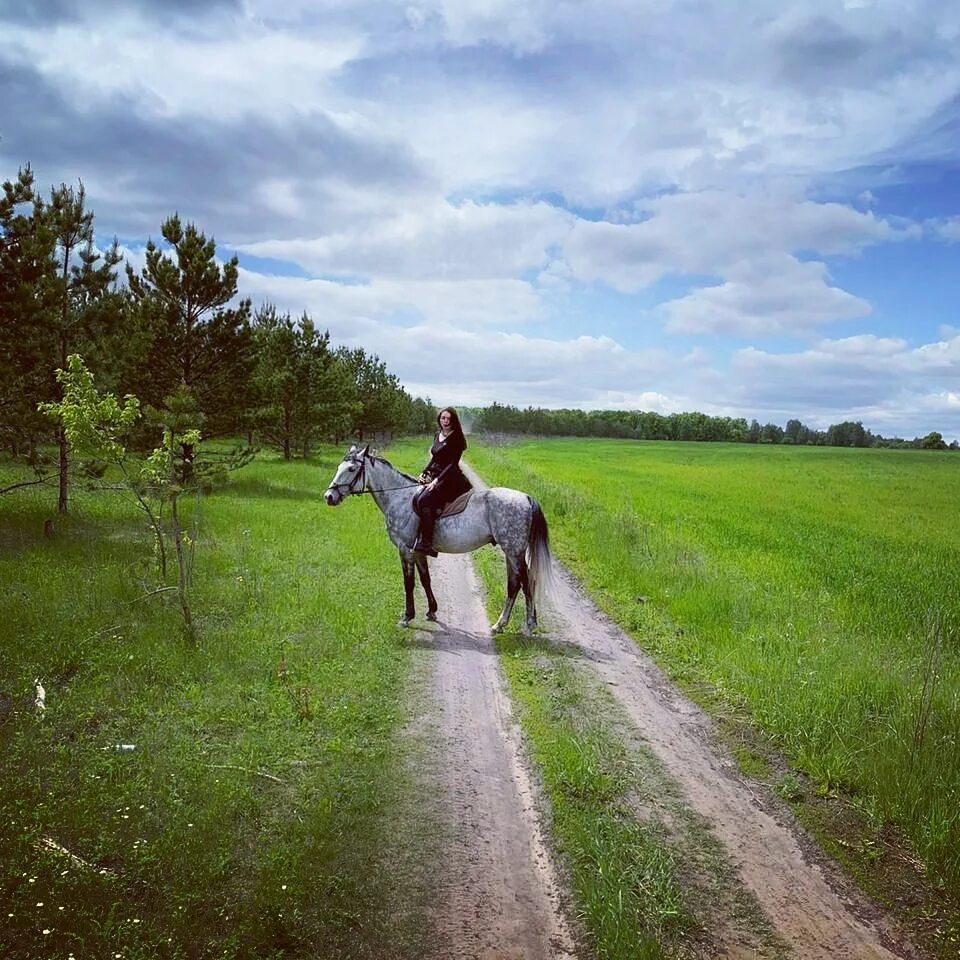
{"points": [[454, 423]]}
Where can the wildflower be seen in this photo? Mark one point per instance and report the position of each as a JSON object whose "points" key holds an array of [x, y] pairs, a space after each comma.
{"points": [[46, 930], [40, 904]]}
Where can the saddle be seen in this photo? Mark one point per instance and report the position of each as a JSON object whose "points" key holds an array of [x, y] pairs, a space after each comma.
{"points": [[457, 506], [452, 508]]}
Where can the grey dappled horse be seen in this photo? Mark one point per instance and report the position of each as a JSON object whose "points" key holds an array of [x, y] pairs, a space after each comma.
{"points": [[508, 518]]}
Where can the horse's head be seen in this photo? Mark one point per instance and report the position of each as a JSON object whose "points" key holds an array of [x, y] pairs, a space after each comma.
{"points": [[350, 476]]}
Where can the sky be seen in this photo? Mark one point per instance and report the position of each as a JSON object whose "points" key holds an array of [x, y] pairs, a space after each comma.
{"points": [[749, 209]]}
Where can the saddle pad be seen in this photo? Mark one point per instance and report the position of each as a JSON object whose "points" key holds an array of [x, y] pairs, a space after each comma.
{"points": [[457, 506]]}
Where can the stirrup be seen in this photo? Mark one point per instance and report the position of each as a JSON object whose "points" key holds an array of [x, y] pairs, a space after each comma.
{"points": [[420, 547]]}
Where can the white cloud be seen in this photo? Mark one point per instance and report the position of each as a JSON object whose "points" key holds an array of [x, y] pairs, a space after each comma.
{"points": [[346, 307], [769, 296], [949, 229], [440, 348], [437, 240], [747, 241], [235, 67]]}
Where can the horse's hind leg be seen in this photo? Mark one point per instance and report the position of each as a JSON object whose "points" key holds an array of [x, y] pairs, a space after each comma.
{"points": [[514, 581], [527, 594], [423, 568], [407, 561]]}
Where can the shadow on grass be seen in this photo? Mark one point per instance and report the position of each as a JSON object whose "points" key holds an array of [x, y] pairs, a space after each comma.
{"points": [[262, 489], [23, 533]]}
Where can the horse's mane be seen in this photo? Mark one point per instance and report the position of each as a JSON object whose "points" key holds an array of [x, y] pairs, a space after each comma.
{"points": [[407, 476]]}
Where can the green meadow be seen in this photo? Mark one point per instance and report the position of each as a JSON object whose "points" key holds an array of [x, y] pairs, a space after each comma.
{"points": [[251, 791], [237, 795], [814, 591]]}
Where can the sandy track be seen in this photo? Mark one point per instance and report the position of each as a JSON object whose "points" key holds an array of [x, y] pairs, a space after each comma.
{"points": [[500, 898]]}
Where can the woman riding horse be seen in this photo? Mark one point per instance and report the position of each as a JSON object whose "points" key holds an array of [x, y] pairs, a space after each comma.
{"points": [[444, 480]]}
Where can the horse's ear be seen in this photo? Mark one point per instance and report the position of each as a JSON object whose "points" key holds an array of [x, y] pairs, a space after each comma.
{"points": [[365, 452]]}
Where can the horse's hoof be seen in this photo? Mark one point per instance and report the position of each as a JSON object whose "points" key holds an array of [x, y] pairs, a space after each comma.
{"points": [[403, 622], [497, 628], [432, 616]]}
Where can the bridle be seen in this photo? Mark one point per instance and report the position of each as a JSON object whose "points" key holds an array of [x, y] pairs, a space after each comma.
{"points": [[348, 489]]}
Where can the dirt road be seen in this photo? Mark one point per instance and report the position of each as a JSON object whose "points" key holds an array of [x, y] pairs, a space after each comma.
{"points": [[503, 899]]}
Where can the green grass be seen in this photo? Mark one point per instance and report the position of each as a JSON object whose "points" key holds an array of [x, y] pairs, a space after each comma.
{"points": [[258, 814], [815, 590]]}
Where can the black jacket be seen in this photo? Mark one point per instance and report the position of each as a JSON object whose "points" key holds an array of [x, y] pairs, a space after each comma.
{"points": [[444, 467]]}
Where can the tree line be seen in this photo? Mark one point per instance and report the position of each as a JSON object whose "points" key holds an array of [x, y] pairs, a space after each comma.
{"points": [[174, 333], [648, 425]]}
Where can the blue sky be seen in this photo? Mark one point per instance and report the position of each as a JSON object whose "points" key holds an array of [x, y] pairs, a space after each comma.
{"points": [[749, 209]]}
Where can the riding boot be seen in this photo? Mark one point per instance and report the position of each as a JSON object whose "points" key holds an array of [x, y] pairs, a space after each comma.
{"points": [[424, 544]]}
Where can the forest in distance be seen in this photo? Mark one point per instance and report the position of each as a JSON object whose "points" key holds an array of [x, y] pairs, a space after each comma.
{"points": [[695, 426]]}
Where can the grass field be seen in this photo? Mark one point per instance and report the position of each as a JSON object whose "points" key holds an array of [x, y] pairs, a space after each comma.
{"points": [[257, 809], [265, 806], [814, 590]]}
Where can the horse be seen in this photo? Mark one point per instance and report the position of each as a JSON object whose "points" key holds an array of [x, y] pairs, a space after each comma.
{"points": [[508, 518]]}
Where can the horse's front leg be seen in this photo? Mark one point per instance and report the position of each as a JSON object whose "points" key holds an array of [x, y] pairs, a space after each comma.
{"points": [[513, 588], [406, 560], [423, 568]]}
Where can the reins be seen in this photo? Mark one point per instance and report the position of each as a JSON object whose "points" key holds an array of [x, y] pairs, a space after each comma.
{"points": [[347, 489], [405, 486]]}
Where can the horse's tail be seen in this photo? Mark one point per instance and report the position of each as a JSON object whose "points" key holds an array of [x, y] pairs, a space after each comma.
{"points": [[539, 559]]}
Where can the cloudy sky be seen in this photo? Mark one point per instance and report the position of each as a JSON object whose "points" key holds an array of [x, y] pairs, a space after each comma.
{"points": [[746, 208]]}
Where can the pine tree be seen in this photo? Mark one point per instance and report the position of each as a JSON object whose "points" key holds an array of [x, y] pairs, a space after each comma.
{"points": [[198, 341], [83, 280], [26, 299]]}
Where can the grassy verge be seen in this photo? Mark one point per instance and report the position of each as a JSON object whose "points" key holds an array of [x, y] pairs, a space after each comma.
{"points": [[254, 812], [810, 592]]}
